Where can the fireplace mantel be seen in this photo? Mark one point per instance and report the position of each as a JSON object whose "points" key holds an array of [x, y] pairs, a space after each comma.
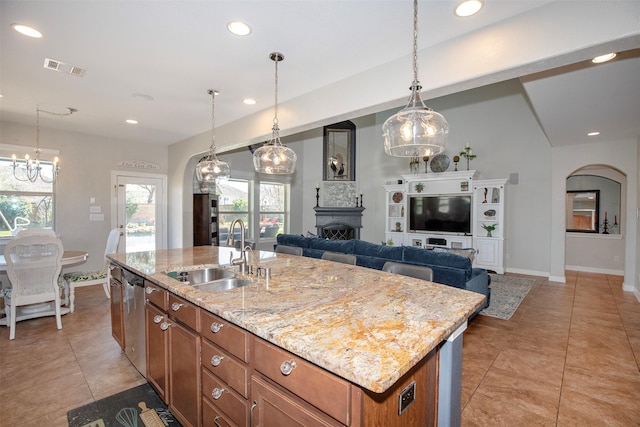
{"points": [[333, 217]]}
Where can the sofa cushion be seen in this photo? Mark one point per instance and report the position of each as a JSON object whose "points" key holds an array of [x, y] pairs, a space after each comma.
{"points": [[293, 240], [344, 246], [465, 252], [415, 255], [390, 253]]}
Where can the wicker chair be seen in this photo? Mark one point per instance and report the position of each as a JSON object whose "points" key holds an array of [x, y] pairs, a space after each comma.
{"points": [[78, 279], [33, 266]]}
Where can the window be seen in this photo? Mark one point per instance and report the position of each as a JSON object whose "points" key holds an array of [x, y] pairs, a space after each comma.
{"points": [[24, 204], [233, 202], [273, 209]]}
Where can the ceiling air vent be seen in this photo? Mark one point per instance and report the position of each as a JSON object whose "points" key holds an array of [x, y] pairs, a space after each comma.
{"points": [[55, 65]]}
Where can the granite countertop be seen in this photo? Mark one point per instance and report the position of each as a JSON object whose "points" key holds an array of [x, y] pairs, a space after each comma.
{"points": [[366, 326]]}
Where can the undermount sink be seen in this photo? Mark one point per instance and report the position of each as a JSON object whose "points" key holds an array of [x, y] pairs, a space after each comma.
{"points": [[202, 275], [224, 284], [210, 279]]}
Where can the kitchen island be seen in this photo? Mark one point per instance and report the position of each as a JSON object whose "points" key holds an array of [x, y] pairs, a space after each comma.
{"points": [[367, 327]]}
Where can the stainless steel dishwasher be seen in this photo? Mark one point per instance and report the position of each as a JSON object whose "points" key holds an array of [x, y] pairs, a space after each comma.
{"points": [[134, 322]]}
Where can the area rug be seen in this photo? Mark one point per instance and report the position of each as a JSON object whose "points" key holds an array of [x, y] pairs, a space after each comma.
{"points": [[507, 293], [130, 408]]}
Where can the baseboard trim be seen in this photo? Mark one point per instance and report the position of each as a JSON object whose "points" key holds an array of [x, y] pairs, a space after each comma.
{"points": [[595, 270], [527, 272]]}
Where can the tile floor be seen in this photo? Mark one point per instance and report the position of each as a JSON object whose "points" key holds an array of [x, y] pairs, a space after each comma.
{"points": [[568, 357]]}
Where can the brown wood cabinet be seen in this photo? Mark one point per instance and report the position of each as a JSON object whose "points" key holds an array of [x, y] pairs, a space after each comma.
{"points": [[225, 372], [173, 353], [205, 220], [212, 373], [157, 349], [117, 309]]}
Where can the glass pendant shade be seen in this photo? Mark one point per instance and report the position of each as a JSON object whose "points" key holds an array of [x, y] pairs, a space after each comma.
{"points": [[415, 130], [273, 158], [210, 169]]}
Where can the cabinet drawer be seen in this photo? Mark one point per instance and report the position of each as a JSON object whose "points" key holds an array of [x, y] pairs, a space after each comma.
{"points": [[313, 384], [227, 368], [228, 401], [156, 295], [226, 335], [275, 407], [185, 312], [212, 417]]}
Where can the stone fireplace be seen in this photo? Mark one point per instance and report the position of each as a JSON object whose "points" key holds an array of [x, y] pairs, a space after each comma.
{"points": [[338, 223]]}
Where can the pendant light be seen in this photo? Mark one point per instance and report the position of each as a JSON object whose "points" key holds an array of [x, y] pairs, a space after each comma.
{"points": [[32, 169], [415, 130], [209, 170], [273, 158]]}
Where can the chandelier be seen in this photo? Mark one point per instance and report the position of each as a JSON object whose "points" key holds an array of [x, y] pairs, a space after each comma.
{"points": [[32, 169], [273, 158], [210, 169], [415, 130]]}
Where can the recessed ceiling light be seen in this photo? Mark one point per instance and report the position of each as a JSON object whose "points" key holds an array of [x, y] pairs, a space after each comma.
{"points": [[249, 101], [593, 133], [469, 7], [603, 58], [132, 121], [239, 28], [27, 30]]}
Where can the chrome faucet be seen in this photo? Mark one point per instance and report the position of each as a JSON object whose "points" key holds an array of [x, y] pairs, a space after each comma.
{"points": [[242, 260]]}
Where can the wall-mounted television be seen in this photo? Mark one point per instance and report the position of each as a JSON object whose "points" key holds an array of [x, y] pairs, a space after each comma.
{"points": [[444, 213]]}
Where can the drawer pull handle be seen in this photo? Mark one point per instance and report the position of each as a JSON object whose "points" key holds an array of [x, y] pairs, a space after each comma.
{"points": [[216, 360], [164, 326], [215, 327], [215, 421], [217, 393], [287, 367], [176, 306], [149, 290], [157, 318]]}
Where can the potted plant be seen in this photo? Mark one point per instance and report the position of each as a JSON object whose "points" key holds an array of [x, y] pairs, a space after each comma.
{"points": [[398, 226], [489, 228], [419, 187], [389, 242]]}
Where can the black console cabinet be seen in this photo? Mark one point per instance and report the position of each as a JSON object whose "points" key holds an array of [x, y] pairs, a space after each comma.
{"points": [[205, 220]]}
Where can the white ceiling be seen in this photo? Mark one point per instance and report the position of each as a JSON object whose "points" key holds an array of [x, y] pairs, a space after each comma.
{"points": [[175, 50]]}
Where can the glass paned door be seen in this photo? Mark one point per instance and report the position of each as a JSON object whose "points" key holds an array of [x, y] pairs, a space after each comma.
{"points": [[140, 213]]}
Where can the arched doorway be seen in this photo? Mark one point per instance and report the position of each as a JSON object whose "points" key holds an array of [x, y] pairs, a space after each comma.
{"points": [[595, 241]]}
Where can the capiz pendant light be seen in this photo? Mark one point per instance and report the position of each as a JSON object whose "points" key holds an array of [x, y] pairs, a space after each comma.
{"points": [[415, 130], [210, 169], [273, 158]]}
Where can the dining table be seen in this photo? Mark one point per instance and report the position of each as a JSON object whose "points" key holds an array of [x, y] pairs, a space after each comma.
{"points": [[68, 258]]}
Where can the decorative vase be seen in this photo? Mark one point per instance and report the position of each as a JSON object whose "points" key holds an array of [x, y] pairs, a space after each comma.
{"points": [[489, 234]]}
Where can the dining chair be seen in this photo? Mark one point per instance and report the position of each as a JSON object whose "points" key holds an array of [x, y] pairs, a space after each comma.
{"points": [[33, 267], [417, 271], [36, 232], [339, 257], [291, 250], [76, 279]]}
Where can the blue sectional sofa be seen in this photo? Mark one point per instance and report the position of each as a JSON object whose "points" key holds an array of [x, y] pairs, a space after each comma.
{"points": [[448, 268]]}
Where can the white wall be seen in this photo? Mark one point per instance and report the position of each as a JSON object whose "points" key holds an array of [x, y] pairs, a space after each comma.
{"points": [[86, 165], [621, 155], [498, 123]]}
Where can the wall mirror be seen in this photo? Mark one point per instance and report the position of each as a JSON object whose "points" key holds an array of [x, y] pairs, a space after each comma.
{"points": [[607, 193], [339, 153], [582, 211]]}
